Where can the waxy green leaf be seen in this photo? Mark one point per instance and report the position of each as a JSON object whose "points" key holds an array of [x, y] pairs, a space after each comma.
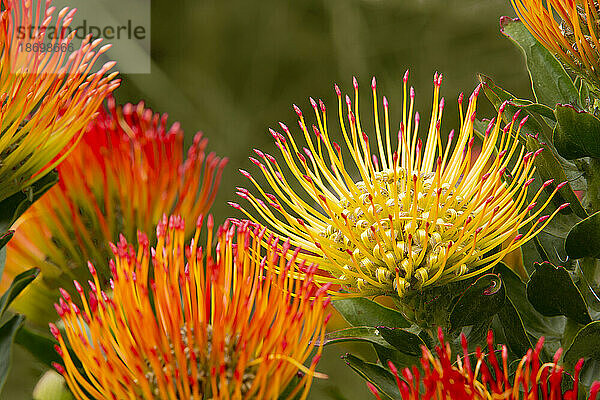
{"points": [[402, 340], [359, 311], [586, 344], [550, 82], [552, 292], [380, 377], [576, 133], [480, 301], [18, 284], [7, 337], [584, 238]]}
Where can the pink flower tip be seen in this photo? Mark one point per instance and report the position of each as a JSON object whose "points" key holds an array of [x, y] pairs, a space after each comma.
{"points": [[91, 268], [65, 294], [298, 111], [337, 90], [561, 185], [373, 83], [54, 330], [235, 205], [502, 107], [59, 368], [563, 206], [372, 388], [543, 219], [246, 173]]}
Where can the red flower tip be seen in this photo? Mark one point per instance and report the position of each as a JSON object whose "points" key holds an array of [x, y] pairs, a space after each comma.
{"points": [[77, 286], [338, 92], [54, 330], [91, 268], [65, 294], [298, 111], [563, 206], [59, 368]]}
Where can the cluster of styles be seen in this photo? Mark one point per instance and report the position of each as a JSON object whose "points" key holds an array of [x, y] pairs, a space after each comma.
{"points": [[240, 311]]}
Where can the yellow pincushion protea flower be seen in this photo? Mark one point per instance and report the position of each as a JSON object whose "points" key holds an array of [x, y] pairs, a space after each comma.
{"points": [[46, 97], [568, 28], [416, 215], [179, 327], [129, 168]]}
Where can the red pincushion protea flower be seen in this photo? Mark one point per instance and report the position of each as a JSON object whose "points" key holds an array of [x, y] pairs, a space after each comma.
{"points": [[486, 377], [178, 327], [128, 169], [46, 97]]}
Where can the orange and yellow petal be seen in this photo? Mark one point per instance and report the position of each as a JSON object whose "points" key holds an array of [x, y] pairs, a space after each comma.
{"points": [[184, 322], [570, 29], [46, 98], [129, 168], [398, 213]]}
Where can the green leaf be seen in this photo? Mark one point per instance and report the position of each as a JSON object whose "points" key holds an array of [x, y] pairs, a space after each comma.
{"points": [[4, 239], [479, 302], [584, 238], [40, 346], [576, 133], [14, 206], [586, 344], [538, 108], [402, 340], [7, 336], [533, 321], [552, 292], [381, 378], [548, 164], [550, 82], [18, 284], [359, 311], [355, 334], [514, 331]]}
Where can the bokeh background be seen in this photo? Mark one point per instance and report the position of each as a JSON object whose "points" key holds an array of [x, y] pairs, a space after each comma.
{"points": [[233, 68]]}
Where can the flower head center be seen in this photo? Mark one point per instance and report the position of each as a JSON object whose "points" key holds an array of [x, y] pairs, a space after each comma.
{"points": [[395, 236]]}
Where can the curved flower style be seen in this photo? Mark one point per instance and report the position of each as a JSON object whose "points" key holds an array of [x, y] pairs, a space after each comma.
{"points": [[226, 328], [46, 97], [573, 36], [419, 215], [127, 171], [486, 378]]}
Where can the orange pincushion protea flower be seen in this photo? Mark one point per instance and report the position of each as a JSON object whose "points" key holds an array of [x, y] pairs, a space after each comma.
{"points": [[568, 28], [418, 215], [46, 97], [486, 377], [127, 171], [177, 327]]}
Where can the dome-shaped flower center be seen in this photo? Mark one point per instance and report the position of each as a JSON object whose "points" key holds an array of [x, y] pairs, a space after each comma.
{"points": [[414, 243]]}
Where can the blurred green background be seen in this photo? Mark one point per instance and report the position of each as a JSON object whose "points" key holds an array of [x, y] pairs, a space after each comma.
{"points": [[233, 68]]}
